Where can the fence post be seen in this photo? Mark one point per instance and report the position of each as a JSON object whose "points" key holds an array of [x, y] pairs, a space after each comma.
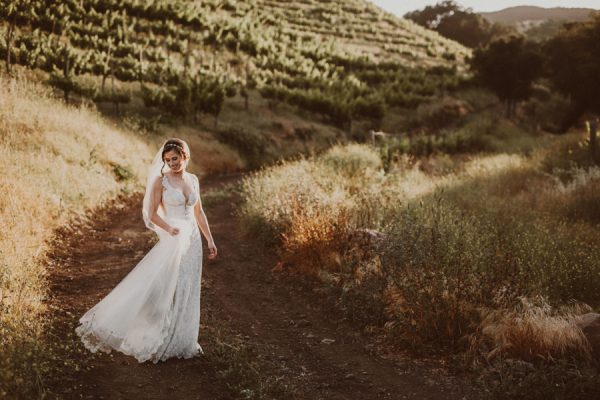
{"points": [[592, 126]]}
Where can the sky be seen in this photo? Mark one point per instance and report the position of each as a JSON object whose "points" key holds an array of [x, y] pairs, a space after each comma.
{"points": [[401, 7]]}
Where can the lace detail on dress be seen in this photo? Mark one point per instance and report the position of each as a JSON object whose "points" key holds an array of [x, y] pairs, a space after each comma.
{"points": [[186, 307], [154, 312]]}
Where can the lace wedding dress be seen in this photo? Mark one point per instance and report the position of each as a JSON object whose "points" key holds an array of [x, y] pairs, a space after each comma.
{"points": [[154, 312]]}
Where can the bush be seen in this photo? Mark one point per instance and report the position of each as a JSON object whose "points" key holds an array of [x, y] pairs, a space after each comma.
{"points": [[444, 264], [352, 160], [256, 148], [444, 258]]}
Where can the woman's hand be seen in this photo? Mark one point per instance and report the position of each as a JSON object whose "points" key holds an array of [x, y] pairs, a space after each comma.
{"points": [[173, 231], [212, 251]]}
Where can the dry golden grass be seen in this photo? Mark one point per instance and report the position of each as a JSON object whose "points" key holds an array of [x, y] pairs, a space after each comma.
{"points": [[490, 229], [57, 161], [534, 331], [315, 243]]}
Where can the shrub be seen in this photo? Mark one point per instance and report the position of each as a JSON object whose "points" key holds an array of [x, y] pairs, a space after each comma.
{"points": [[256, 148], [444, 257], [352, 160]]}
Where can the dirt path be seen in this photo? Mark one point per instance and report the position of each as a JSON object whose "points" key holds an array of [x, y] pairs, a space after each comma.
{"points": [[298, 338]]}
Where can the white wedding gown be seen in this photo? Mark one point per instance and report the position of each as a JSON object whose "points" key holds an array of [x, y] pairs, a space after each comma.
{"points": [[154, 312]]}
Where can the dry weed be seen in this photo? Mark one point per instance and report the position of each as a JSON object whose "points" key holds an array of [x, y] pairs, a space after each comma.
{"points": [[533, 330], [57, 160]]}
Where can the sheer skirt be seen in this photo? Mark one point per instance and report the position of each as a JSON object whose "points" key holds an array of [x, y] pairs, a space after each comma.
{"points": [[154, 312]]}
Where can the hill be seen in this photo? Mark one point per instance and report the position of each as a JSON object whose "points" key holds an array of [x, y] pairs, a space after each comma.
{"points": [[343, 60], [515, 15], [538, 23]]}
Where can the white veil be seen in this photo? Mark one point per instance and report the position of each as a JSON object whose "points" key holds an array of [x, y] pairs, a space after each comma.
{"points": [[156, 170]]}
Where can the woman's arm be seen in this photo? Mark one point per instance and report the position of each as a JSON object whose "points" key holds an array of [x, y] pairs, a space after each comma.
{"points": [[203, 223], [155, 201]]}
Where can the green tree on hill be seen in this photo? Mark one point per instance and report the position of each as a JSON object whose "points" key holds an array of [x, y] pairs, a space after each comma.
{"points": [[15, 13], [457, 23], [573, 65], [508, 67]]}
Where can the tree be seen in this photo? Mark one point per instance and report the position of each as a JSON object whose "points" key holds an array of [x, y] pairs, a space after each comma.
{"points": [[16, 13], [573, 66], [216, 99], [372, 108], [463, 25], [250, 85], [508, 67]]}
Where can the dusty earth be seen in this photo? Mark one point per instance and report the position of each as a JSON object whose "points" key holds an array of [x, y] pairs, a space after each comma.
{"points": [[295, 333]]}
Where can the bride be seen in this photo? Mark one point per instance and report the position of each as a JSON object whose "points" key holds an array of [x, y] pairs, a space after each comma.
{"points": [[154, 312]]}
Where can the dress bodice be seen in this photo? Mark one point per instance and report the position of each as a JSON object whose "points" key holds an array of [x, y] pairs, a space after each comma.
{"points": [[174, 201]]}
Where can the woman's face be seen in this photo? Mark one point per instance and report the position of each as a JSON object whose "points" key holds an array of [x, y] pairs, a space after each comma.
{"points": [[174, 160]]}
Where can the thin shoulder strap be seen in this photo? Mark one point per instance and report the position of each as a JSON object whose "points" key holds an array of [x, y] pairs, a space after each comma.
{"points": [[196, 183], [165, 180]]}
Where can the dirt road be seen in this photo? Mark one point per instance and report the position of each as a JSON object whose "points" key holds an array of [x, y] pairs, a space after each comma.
{"points": [[296, 334]]}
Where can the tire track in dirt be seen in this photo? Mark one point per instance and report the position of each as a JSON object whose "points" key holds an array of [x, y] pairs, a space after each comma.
{"points": [[298, 338]]}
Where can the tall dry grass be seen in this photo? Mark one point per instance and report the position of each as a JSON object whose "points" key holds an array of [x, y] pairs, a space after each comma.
{"points": [[533, 330], [424, 253], [56, 161]]}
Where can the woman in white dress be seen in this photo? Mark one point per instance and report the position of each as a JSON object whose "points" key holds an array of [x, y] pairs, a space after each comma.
{"points": [[154, 312]]}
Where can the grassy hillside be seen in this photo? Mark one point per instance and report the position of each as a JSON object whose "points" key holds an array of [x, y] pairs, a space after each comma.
{"points": [[341, 60], [58, 161]]}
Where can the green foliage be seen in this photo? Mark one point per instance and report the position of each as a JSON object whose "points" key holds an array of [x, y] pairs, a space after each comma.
{"points": [[372, 107], [335, 106], [122, 172], [439, 257], [161, 42], [64, 83], [256, 148], [447, 263], [113, 96], [545, 31], [351, 160], [26, 359], [508, 67], [191, 96], [573, 65], [455, 134], [451, 20]]}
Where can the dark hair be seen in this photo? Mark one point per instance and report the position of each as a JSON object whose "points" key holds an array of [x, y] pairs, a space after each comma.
{"points": [[177, 145]]}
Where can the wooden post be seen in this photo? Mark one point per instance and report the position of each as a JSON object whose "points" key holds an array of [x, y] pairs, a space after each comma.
{"points": [[593, 130]]}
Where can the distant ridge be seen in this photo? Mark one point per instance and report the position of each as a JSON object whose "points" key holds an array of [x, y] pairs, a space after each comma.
{"points": [[515, 15]]}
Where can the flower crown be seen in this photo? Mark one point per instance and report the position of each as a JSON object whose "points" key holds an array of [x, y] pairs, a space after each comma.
{"points": [[171, 145]]}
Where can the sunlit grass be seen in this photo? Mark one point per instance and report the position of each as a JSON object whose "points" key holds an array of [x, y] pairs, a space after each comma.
{"points": [[57, 161], [533, 330], [429, 248]]}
